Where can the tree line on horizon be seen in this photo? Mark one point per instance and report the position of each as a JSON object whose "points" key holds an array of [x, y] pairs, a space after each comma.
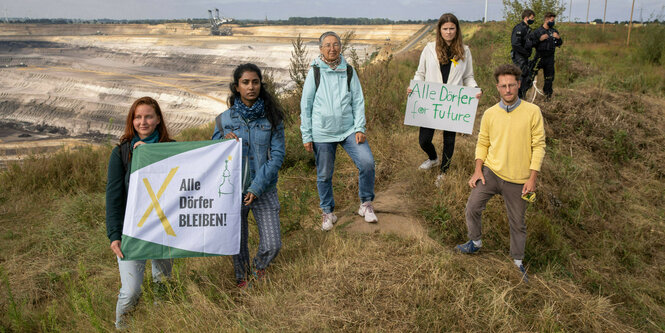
{"points": [[319, 20]]}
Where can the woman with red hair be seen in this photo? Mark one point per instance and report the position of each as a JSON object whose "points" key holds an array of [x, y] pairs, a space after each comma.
{"points": [[144, 125]]}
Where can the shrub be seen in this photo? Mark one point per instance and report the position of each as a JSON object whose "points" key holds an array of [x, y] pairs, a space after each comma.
{"points": [[299, 66], [513, 9], [651, 44]]}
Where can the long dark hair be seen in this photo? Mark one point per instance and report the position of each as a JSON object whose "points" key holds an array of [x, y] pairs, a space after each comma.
{"points": [[456, 46], [274, 111], [129, 132]]}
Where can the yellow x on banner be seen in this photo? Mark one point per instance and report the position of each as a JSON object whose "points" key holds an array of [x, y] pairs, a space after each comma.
{"points": [[155, 203]]}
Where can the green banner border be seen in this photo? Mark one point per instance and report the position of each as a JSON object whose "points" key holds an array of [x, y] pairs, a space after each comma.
{"points": [[138, 249], [163, 150]]}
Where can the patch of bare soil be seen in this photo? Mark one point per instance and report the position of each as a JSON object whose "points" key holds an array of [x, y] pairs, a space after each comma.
{"points": [[394, 213]]}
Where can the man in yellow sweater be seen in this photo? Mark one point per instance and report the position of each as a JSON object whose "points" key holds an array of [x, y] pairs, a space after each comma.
{"points": [[509, 153]]}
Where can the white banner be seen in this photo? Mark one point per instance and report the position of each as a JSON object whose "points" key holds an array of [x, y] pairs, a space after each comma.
{"points": [[441, 106], [184, 200]]}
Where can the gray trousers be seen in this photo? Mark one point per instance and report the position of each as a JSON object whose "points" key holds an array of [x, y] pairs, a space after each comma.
{"points": [[515, 206], [266, 214]]}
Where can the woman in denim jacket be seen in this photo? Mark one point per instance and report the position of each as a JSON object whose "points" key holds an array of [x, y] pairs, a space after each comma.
{"points": [[256, 118]]}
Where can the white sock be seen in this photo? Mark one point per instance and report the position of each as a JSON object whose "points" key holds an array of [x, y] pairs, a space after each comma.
{"points": [[478, 243], [518, 263]]}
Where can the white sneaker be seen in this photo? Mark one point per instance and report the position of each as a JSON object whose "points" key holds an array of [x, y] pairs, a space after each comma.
{"points": [[367, 210], [439, 180], [328, 220], [428, 164]]}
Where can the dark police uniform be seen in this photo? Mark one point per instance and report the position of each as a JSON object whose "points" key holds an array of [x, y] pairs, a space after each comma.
{"points": [[520, 53], [545, 51]]}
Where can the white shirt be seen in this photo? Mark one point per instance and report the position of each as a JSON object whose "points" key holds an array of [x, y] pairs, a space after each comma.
{"points": [[429, 68]]}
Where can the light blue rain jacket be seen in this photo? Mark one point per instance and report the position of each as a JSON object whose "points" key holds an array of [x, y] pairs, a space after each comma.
{"points": [[331, 113]]}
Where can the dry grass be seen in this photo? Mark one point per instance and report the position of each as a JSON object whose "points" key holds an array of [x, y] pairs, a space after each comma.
{"points": [[595, 252], [348, 282]]}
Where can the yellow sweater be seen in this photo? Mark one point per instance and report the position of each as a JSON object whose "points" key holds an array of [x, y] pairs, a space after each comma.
{"points": [[512, 143]]}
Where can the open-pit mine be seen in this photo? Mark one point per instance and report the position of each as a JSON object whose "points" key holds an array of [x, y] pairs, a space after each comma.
{"points": [[67, 83]]}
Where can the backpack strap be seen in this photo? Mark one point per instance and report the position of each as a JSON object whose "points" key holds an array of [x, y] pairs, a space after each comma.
{"points": [[125, 153], [317, 77]]}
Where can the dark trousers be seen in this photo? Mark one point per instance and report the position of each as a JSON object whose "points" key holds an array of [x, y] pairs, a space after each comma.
{"points": [[523, 63], [547, 64], [425, 140]]}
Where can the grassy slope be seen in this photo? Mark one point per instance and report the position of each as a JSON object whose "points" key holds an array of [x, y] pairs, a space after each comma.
{"points": [[594, 252]]}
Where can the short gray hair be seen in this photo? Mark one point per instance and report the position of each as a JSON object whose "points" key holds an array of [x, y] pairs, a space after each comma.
{"points": [[326, 34]]}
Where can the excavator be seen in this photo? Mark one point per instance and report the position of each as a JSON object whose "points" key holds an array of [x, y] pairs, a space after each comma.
{"points": [[217, 27]]}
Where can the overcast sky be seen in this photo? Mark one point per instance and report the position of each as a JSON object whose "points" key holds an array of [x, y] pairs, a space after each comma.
{"points": [[617, 10]]}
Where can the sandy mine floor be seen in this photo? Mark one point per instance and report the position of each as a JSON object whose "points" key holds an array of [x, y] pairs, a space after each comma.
{"points": [[59, 81]]}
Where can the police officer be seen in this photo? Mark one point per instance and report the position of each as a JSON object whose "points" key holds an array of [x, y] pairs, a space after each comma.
{"points": [[520, 54], [545, 40]]}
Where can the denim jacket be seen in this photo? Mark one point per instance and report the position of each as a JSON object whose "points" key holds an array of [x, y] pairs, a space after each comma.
{"points": [[262, 150]]}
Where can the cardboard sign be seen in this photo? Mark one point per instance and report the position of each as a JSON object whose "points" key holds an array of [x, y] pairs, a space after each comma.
{"points": [[441, 106]]}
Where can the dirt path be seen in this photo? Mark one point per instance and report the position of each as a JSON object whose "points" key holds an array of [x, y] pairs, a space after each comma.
{"points": [[416, 39], [395, 216]]}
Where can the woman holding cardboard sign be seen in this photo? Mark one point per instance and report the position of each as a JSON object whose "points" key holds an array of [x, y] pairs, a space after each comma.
{"points": [[446, 61]]}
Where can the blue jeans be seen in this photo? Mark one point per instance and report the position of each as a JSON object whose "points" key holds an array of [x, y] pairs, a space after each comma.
{"points": [[131, 277], [361, 155]]}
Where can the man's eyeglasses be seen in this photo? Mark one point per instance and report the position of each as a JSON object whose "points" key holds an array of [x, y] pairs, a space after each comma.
{"points": [[507, 86]]}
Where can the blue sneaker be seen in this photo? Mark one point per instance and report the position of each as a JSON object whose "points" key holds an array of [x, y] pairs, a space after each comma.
{"points": [[467, 248], [525, 277]]}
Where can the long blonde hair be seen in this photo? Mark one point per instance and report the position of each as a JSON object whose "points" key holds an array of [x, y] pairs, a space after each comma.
{"points": [[456, 47]]}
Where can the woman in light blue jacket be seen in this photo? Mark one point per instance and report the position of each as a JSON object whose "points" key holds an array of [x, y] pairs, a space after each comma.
{"points": [[332, 112], [256, 118]]}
